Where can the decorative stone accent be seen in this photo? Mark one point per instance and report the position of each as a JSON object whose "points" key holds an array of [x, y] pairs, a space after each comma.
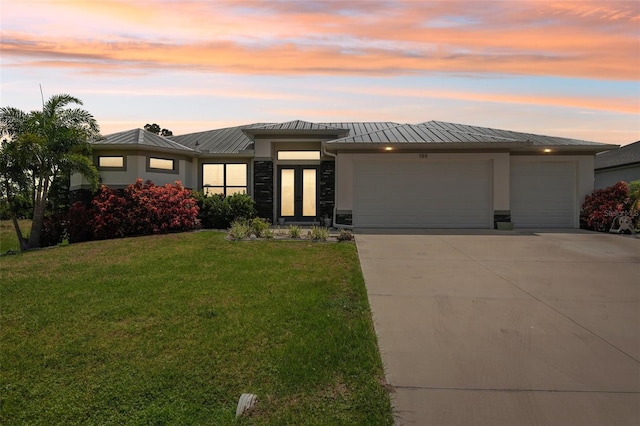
{"points": [[501, 216], [344, 218], [263, 188], [327, 187]]}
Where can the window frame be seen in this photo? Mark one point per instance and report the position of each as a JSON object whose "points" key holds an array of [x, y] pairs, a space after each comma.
{"points": [[224, 187], [175, 170], [111, 168]]}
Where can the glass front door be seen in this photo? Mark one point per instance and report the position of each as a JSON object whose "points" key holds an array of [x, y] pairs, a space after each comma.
{"points": [[298, 193]]}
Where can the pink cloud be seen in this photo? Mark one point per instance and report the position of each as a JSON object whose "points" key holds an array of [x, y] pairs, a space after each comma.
{"points": [[573, 39]]}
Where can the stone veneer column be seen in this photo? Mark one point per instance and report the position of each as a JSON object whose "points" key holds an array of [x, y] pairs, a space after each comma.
{"points": [[263, 188], [327, 187]]}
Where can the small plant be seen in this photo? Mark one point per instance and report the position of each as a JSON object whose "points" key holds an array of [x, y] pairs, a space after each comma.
{"points": [[318, 233], [240, 229], [261, 227], [268, 233], [345, 235], [294, 231]]}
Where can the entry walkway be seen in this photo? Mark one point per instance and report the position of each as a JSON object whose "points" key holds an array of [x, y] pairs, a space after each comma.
{"points": [[507, 328]]}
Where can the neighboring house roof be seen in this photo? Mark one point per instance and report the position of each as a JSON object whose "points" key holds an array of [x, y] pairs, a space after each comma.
{"points": [[230, 140], [140, 138], [623, 156]]}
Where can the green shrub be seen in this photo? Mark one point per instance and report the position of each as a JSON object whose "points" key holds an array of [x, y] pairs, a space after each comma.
{"points": [[212, 214], [294, 231], [239, 230], [261, 227], [239, 206], [218, 211], [318, 233], [345, 235]]}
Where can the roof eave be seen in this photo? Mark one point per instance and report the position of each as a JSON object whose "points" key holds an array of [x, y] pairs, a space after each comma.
{"points": [[137, 147]]}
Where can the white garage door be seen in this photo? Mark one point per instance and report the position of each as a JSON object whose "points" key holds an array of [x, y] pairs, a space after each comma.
{"points": [[422, 194], [542, 194]]}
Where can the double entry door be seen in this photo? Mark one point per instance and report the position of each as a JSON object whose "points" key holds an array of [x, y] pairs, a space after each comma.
{"points": [[298, 194]]}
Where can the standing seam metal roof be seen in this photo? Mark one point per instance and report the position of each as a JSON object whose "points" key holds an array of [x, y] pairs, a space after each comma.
{"points": [[141, 137], [508, 134]]}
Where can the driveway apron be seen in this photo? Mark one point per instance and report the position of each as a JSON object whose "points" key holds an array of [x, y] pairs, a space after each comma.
{"points": [[507, 328]]}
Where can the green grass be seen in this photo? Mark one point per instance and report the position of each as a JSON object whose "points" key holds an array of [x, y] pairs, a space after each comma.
{"points": [[8, 238], [172, 329]]}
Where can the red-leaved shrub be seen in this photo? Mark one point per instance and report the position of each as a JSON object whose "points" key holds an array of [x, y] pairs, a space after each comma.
{"points": [[143, 209], [79, 223], [603, 205], [139, 209]]}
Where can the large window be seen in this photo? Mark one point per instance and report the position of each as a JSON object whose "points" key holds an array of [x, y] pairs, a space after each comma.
{"points": [[224, 179]]}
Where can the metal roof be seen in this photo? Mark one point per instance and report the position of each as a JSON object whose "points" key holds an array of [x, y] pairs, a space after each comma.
{"points": [[535, 140], [234, 140], [140, 138], [230, 140], [625, 155], [359, 128], [452, 134], [415, 133], [298, 125]]}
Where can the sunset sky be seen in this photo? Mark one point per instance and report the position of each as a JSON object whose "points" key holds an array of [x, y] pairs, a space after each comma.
{"points": [[565, 68]]}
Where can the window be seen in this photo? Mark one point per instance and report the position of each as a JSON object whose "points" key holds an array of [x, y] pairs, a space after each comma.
{"points": [[161, 164], [224, 179], [298, 155], [111, 162]]}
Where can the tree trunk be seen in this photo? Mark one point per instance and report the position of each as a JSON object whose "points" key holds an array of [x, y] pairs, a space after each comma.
{"points": [[38, 215], [14, 217], [23, 242]]}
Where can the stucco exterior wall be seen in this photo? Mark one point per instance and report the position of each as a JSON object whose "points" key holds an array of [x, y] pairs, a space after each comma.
{"points": [[500, 178], [136, 167]]}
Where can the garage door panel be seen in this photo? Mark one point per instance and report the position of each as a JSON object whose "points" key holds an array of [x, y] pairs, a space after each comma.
{"points": [[422, 194], [543, 194]]}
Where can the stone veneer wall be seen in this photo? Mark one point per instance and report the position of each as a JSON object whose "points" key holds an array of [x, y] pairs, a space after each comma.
{"points": [[327, 187], [344, 218], [263, 188]]}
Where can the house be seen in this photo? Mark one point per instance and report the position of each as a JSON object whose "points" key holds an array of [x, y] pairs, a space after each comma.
{"points": [[619, 164], [369, 174]]}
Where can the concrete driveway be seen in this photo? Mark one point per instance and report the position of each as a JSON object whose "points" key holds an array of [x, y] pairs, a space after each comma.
{"points": [[507, 328]]}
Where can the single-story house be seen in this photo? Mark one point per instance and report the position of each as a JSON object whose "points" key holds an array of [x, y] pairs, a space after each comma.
{"points": [[619, 164], [368, 174]]}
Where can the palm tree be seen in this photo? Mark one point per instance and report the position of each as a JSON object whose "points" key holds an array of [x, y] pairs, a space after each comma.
{"points": [[44, 145]]}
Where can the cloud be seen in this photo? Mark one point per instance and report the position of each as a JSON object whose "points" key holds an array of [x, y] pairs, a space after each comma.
{"points": [[573, 39]]}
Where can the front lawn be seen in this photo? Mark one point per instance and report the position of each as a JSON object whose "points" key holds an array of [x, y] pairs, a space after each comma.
{"points": [[8, 237], [172, 329]]}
